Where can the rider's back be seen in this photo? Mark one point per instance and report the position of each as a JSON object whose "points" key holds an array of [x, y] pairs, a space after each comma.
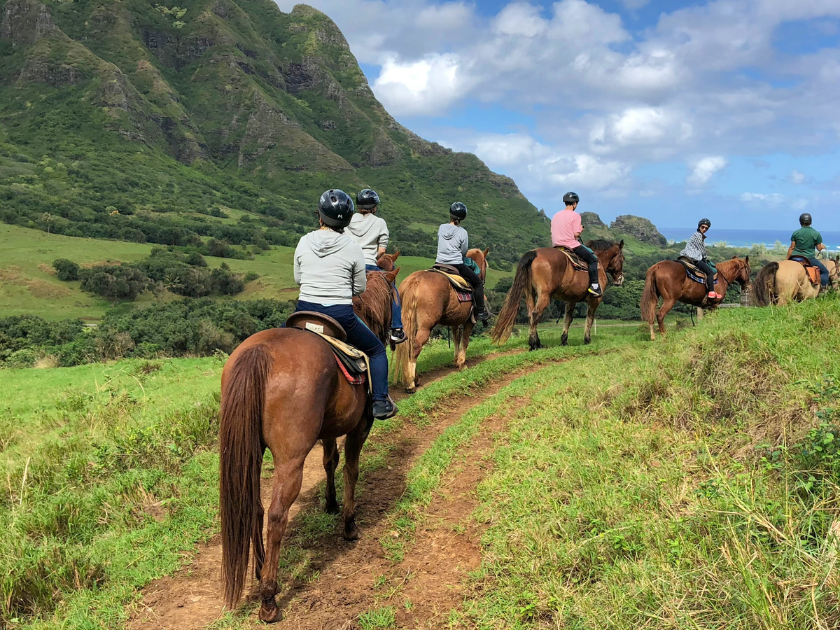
{"points": [[453, 242], [371, 232], [330, 268]]}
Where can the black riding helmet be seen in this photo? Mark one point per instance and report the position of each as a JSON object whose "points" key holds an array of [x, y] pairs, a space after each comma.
{"points": [[458, 211], [703, 222], [569, 198], [335, 207], [367, 199], [805, 219]]}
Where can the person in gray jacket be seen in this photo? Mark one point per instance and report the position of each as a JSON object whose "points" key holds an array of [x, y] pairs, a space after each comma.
{"points": [[371, 232], [453, 245], [330, 269]]}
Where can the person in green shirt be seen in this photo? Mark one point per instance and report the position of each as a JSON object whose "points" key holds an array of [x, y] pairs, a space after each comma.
{"points": [[803, 242]]}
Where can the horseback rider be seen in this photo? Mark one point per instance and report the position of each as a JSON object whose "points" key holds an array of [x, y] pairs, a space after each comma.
{"points": [[803, 242], [330, 269], [695, 250], [371, 232], [453, 244], [566, 229]]}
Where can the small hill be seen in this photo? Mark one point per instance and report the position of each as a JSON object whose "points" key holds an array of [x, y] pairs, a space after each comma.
{"points": [[143, 122], [640, 228]]}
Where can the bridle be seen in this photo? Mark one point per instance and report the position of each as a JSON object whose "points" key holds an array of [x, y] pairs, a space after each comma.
{"points": [[735, 277]]}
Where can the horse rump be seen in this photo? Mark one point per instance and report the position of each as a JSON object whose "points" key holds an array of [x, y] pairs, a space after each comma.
{"points": [[764, 288], [240, 464], [510, 309], [650, 296]]}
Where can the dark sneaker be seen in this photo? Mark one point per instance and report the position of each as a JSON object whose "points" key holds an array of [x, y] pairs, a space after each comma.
{"points": [[596, 291], [484, 315], [384, 409], [398, 335]]}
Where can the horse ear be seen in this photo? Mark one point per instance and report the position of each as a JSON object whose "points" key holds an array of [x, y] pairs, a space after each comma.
{"points": [[735, 257], [621, 244], [486, 251], [747, 260], [392, 275], [395, 255]]}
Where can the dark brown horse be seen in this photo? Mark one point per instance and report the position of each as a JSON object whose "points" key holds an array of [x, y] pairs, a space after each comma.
{"points": [[668, 279], [428, 301], [546, 273], [273, 399]]}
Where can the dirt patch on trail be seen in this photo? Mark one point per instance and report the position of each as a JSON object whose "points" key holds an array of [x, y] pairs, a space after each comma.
{"points": [[191, 598]]}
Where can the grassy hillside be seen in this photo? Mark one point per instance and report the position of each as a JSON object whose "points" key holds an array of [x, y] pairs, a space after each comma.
{"points": [[28, 285], [146, 123]]}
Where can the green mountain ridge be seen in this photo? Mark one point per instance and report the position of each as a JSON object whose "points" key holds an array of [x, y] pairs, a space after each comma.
{"points": [[137, 121]]}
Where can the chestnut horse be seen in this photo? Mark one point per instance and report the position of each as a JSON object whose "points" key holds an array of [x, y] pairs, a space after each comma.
{"points": [[429, 300], [273, 399], [546, 273], [782, 282], [668, 279]]}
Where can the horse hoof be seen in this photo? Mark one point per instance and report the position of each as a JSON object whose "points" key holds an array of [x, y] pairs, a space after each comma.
{"points": [[410, 390], [270, 615], [331, 507], [587, 341], [352, 534]]}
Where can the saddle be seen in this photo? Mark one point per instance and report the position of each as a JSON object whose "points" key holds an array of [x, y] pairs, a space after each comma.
{"points": [[352, 362], [463, 289], [692, 270], [812, 271], [574, 259]]}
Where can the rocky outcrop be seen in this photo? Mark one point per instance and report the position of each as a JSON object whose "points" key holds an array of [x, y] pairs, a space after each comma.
{"points": [[24, 22], [639, 228], [591, 220]]}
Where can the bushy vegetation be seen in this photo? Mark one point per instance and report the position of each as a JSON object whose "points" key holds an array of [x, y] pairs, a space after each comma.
{"points": [[184, 328]]}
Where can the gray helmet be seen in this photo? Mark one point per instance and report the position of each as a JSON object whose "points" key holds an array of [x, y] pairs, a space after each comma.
{"points": [[367, 199], [335, 208], [569, 198], [458, 210], [703, 222], [805, 219]]}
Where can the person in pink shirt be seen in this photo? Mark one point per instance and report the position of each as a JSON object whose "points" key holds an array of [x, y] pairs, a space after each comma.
{"points": [[566, 229]]}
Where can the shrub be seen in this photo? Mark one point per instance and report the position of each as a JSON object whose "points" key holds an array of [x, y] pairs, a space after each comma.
{"points": [[67, 270]]}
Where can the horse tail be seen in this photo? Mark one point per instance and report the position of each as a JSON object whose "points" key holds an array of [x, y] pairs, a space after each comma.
{"points": [[404, 351], [521, 283], [240, 463], [650, 296], [765, 285]]}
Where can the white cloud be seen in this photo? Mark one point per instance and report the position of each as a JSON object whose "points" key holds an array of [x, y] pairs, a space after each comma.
{"points": [[796, 177], [420, 87], [705, 168], [773, 199]]}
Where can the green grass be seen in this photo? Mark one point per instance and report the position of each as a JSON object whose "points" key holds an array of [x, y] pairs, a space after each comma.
{"points": [[637, 489], [29, 286]]}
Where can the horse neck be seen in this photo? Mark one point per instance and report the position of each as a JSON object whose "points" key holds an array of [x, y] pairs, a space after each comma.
{"points": [[605, 256], [376, 299]]}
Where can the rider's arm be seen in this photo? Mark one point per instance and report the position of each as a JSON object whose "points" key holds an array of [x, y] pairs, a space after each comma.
{"points": [[383, 240], [297, 266], [359, 272], [790, 249]]}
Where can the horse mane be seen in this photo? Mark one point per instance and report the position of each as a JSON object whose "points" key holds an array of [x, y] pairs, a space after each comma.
{"points": [[600, 245], [374, 305]]}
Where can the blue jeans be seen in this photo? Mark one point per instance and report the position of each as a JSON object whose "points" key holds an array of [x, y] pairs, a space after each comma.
{"points": [[361, 337], [396, 303], [823, 271]]}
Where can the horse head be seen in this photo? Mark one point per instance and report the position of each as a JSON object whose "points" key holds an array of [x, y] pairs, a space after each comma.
{"points": [[742, 276], [391, 276], [613, 254], [480, 258], [386, 261]]}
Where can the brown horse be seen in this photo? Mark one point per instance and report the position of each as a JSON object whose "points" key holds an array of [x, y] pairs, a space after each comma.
{"points": [[377, 294], [546, 273], [429, 300], [273, 399], [833, 266], [668, 279], [782, 282]]}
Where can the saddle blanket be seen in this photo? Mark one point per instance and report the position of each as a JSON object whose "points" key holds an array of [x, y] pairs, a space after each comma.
{"points": [[692, 271], [577, 263], [811, 271]]}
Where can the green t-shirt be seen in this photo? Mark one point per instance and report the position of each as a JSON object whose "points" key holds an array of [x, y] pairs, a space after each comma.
{"points": [[806, 239]]}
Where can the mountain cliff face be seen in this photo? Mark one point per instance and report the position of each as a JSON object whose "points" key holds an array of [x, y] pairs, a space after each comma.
{"points": [[134, 120]]}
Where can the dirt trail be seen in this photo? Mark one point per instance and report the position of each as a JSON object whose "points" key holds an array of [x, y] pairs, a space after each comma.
{"points": [[191, 598]]}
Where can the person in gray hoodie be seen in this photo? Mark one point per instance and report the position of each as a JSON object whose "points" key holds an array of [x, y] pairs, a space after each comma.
{"points": [[453, 244], [330, 269], [371, 232]]}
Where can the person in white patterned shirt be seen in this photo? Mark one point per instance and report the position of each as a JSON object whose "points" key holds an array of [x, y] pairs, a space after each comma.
{"points": [[695, 250]]}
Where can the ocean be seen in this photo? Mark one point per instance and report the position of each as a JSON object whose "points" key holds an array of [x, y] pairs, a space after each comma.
{"points": [[747, 238]]}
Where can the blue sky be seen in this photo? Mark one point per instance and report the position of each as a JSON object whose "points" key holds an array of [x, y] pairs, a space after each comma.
{"points": [[670, 110]]}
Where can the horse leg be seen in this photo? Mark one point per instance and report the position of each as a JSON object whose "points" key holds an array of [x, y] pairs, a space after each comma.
{"points": [[288, 478], [457, 340], [420, 340], [536, 313], [330, 465], [667, 305], [352, 449], [567, 323], [465, 341], [590, 317]]}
